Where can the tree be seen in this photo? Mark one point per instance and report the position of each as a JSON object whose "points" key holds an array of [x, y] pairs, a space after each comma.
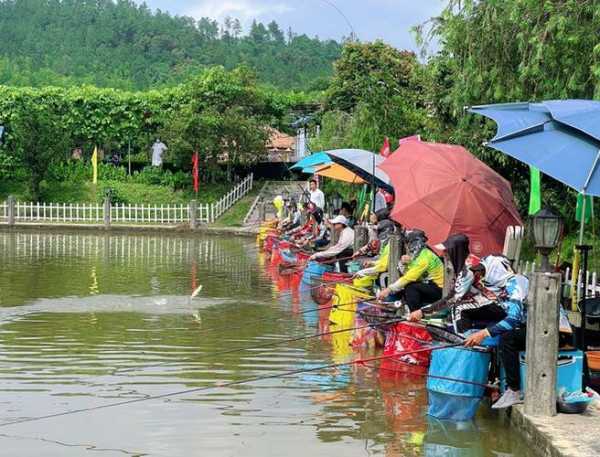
{"points": [[38, 140], [224, 119]]}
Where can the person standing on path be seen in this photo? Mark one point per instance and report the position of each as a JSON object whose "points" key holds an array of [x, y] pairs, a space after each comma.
{"points": [[316, 195]]}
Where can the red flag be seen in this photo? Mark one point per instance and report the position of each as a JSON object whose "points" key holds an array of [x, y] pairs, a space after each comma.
{"points": [[385, 150], [195, 170]]}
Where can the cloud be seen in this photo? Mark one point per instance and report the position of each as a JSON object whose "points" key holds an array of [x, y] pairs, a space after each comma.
{"points": [[244, 10]]}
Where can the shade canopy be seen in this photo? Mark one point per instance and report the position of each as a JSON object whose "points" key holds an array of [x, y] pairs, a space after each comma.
{"points": [[364, 164], [559, 137], [348, 165], [444, 190], [311, 161], [339, 173]]}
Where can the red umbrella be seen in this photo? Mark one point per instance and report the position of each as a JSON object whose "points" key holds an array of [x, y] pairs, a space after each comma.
{"points": [[443, 189]]}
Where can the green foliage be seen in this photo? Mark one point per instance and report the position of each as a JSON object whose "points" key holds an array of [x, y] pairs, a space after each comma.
{"points": [[124, 45], [513, 50], [37, 139], [375, 93], [224, 117]]}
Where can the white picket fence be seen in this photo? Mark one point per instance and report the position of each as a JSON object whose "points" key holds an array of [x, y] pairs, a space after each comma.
{"points": [[232, 197], [93, 213], [590, 285]]}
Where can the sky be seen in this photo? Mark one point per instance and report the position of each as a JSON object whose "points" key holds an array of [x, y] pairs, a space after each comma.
{"points": [[389, 20]]}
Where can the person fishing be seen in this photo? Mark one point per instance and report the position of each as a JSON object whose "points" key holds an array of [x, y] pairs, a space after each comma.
{"points": [[343, 249], [366, 277], [511, 290], [292, 221], [466, 291], [423, 275]]}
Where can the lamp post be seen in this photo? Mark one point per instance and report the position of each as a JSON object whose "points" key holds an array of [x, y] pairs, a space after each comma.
{"points": [[547, 228]]}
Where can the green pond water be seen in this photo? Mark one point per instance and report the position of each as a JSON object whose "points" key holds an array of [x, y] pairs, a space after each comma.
{"points": [[88, 320]]}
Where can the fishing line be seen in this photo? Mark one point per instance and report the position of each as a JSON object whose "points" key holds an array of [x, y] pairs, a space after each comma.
{"points": [[267, 344], [224, 385]]}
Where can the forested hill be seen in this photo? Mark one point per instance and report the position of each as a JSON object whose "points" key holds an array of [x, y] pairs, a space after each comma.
{"points": [[124, 45]]}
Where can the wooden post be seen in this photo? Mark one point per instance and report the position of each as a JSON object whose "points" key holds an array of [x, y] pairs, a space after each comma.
{"points": [[262, 211], [542, 344], [193, 210], [107, 212], [361, 237], [11, 209], [395, 254]]}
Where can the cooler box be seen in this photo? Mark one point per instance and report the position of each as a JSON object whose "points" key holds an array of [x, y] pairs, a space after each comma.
{"points": [[449, 397], [569, 371]]}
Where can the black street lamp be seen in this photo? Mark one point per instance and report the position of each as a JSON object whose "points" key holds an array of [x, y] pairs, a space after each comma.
{"points": [[547, 228]]}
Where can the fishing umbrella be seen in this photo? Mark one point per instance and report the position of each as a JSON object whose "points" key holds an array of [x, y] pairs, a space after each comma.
{"points": [[364, 164], [559, 137], [443, 189], [337, 172], [313, 160]]}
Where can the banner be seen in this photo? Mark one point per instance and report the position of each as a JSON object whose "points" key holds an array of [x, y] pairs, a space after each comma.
{"points": [[195, 171], [589, 208], [535, 191], [95, 166], [385, 150]]}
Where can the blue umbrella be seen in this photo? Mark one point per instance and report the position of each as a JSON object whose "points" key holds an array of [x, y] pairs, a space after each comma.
{"points": [[313, 160], [559, 137]]}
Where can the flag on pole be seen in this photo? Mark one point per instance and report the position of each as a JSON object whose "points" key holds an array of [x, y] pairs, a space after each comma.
{"points": [[385, 150], [195, 171], [535, 191], [589, 208], [95, 166]]}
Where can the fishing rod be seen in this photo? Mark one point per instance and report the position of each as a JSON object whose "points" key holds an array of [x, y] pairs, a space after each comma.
{"points": [[224, 385], [270, 344], [270, 319]]}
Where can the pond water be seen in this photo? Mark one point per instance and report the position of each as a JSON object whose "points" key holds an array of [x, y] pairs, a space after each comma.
{"points": [[88, 320]]}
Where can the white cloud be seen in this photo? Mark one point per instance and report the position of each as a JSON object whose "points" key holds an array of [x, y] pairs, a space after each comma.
{"points": [[244, 10]]}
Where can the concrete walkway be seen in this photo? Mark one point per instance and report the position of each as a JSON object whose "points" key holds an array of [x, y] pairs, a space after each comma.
{"points": [[564, 435]]}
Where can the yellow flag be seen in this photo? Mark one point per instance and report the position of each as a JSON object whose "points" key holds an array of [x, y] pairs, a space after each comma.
{"points": [[95, 166]]}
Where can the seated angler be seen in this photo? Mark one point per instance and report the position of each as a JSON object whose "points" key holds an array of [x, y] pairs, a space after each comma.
{"points": [[292, 221], [366, 277], [466, 292], [343, 249], [423, 275], [511, 290]]}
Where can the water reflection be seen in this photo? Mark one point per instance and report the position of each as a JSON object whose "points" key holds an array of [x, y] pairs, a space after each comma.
{"points": [[89, 319]]}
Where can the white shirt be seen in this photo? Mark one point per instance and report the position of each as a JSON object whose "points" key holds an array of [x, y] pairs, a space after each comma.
{"points": [[346, 241], [318, 198], [158, 148]]}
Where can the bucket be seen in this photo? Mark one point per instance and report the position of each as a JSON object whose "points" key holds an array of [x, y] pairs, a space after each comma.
{"points": [[593, 360], [450, 398]]}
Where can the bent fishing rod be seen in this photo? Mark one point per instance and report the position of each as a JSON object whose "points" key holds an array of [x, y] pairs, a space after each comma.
{"points": [[219, 385], [271, 344]]}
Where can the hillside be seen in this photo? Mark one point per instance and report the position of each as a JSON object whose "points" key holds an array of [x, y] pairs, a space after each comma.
{"points": [[124, 45]]}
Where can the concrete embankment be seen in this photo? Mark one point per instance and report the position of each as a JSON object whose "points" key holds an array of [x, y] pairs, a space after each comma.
{"points": [[564, 435], [173, 229]]}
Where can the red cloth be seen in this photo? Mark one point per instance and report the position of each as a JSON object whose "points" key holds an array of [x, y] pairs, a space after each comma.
{"points": [[443, 189], [385, 150], [195, 171]]}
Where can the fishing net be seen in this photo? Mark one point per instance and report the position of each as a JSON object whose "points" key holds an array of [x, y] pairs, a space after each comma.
{"points": [[347, 298], [457, 382], [402, 338]]}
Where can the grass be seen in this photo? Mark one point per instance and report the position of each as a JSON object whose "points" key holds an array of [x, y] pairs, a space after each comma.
{"points": [[234, 217], [123, 192]]}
